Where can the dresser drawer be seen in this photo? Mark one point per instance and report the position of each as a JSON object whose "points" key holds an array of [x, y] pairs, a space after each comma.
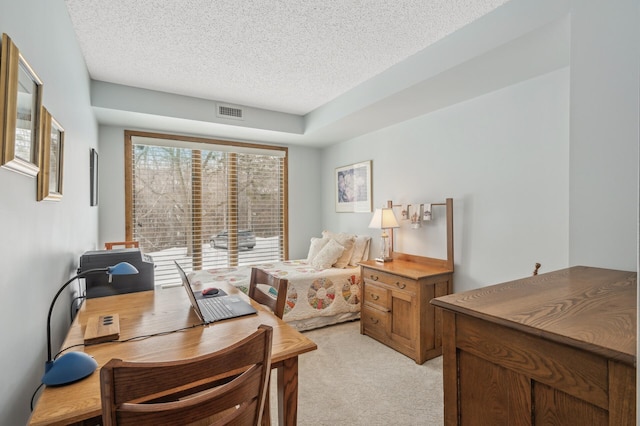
{"points": [[395, 306], [396, 282], [376, 295], [375, 322]]}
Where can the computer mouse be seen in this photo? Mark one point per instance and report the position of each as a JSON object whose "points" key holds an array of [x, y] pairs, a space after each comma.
{"points": [[211, 291]]}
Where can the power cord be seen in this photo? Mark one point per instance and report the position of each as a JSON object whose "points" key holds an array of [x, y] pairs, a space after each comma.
{"points": [[75, 306], [33, 397], [146, 336], [135, 338]]}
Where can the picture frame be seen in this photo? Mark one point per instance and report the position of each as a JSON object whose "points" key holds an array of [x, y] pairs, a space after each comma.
{"points": [[51, 158], [20, 108], [353, 188], [93, 172]]}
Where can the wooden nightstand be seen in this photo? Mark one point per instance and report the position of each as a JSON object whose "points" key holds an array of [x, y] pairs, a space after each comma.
{"points": [[395, 306], [396, 309]]}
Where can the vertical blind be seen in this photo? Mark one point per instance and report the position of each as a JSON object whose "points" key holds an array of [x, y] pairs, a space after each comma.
{"points": [[205, 205]]}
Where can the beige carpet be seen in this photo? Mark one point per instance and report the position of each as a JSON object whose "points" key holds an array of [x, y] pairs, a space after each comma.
{"points": [[352, 379]]}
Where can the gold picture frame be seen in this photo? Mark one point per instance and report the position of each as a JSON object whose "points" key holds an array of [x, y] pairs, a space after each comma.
{"points": [[20, 103], [51, 158]]}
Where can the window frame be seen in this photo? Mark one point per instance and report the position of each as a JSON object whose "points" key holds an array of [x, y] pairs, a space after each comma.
{"points": [[128, 174]]}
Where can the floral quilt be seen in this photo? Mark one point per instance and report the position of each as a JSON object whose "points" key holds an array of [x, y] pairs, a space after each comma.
{"points": [[311, 292]]}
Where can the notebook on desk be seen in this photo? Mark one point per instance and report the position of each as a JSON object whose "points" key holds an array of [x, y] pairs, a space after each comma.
{"points": [[216, 308]]}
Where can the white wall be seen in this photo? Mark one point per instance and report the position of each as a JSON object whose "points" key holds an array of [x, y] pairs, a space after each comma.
{"points": [[42, 241], [305, 199], [605, 47], [304, 190], [527, 188], [502, 158]]}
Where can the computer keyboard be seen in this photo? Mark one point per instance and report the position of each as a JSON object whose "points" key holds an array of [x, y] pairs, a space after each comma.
{"points": [[216, 308]]}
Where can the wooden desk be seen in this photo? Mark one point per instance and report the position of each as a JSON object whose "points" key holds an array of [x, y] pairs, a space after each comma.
{"points": [[556, 348], [150, 312]]}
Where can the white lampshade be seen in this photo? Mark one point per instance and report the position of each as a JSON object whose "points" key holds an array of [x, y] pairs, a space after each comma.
{"points": [[384, 219]]}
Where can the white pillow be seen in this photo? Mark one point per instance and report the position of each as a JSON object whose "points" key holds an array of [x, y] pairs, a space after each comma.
{"points": [[328, 255], [359, 249], [314, 248], [345, 240]]}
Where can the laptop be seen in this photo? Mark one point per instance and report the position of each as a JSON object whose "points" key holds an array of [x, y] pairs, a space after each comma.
{"points": [[216, 308]]}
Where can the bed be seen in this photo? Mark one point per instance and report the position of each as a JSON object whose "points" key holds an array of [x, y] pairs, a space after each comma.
{"points": [[324, 288]]}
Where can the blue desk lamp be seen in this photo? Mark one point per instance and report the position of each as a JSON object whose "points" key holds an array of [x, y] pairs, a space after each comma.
{"points": [[74, 365]]}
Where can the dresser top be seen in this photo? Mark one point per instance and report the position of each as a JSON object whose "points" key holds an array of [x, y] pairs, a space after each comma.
{"points": [[409, 269], [590, 308]]}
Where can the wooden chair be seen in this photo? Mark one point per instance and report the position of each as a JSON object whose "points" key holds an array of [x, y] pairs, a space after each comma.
{"points": [[126, 244], [260, 279], [225, 387]]}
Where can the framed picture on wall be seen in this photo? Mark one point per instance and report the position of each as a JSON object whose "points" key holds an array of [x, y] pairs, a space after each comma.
{"points": [[51, 158], [20, 103], [353, 187], [93, 170]]}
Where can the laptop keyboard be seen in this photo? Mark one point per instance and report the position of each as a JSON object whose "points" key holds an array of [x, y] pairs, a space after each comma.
{"points": [[215, 308]]}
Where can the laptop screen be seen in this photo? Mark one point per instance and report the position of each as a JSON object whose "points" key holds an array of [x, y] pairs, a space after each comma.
{"points": [[187, 286]]}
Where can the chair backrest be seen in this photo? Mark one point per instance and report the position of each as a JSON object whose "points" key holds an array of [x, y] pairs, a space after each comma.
{"points": [[126, 244], [259, 286], [224, 387]]}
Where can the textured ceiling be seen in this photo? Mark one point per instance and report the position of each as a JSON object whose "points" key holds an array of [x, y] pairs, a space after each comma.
{"points": [[287, 56]]}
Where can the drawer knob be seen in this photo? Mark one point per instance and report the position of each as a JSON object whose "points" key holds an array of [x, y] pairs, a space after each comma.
{"points": [[375, 296], [400, 285], [374, 320], [374, 277]]}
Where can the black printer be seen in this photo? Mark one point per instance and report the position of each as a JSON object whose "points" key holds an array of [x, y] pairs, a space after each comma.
{"points": [[98, 285]]}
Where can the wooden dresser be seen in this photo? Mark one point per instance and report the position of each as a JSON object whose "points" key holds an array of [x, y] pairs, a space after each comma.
{"points": [[395, 306], [396, 309], [556, 348]]}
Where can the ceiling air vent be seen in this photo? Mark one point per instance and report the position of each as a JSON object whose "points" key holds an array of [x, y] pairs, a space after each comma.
{"points": [[228, 111]]}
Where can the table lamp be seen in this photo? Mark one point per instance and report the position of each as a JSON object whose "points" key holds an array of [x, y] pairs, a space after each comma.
{"points": [[384, 219], [74, 365]]}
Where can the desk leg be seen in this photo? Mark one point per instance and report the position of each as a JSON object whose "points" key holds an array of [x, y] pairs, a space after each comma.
{"points": [[288, 392]]}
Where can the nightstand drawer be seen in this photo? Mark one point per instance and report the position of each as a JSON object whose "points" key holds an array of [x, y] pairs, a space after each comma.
{"points": [[395, 281], [376, 295]]}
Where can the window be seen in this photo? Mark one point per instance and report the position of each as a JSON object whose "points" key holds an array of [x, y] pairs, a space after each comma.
{"points": [[205, 203]]}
